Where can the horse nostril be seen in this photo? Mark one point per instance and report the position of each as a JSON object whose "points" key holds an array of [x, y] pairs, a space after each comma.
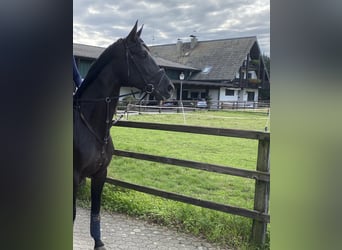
{"points": [[170, 88]]}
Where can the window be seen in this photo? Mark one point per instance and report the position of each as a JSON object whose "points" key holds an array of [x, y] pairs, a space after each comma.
{"points": [[230, 92]]}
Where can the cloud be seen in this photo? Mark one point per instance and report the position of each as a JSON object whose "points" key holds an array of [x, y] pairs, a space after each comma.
{"points": [[102, 22]]}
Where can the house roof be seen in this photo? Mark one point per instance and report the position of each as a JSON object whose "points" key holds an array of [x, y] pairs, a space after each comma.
{"points": [[218, 59], [93, 52], [169, 64], [87, 51]]}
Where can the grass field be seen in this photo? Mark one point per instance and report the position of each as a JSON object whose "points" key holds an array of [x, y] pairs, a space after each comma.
{"points": [[218, 227]]}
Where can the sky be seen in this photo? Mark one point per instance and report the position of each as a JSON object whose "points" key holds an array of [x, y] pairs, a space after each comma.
{"points": [[102, 22]]}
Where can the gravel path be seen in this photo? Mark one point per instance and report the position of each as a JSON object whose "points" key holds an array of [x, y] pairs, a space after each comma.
{"points": [[122, 232]]}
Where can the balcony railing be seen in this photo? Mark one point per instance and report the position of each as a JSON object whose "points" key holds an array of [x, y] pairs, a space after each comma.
{"points": [[250, 83]]}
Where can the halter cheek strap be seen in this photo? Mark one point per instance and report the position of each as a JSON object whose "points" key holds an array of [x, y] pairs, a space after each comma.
{"points": [[149, 87]]}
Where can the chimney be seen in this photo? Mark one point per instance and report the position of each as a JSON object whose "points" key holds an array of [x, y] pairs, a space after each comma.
{"points": [[179, 47], [193, 41]]}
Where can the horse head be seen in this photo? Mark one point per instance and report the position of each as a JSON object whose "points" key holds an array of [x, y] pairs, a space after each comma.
{"points": [[143, 71]]}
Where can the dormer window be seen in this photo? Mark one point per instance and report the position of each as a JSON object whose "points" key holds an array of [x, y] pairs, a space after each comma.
{"points": [[206, 69]]}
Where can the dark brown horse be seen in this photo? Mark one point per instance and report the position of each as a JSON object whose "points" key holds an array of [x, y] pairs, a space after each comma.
{"points": [[128, 63]]}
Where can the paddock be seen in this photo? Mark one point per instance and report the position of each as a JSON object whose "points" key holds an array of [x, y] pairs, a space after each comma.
{"points": [[261, 175], [258, 214]]}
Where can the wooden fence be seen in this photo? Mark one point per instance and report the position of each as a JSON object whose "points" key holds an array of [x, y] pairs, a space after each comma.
{"points": [[189, 105], [259, 214]]}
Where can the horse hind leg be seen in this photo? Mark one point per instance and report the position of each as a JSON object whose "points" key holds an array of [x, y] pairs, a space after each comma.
{"points": [[97, 183]]}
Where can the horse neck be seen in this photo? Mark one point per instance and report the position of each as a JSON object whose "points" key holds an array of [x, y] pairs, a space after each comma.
{"points": [[105, 85]]}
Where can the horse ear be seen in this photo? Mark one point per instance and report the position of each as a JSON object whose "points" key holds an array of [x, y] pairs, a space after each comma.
{"points": [[132, 35], [139, 31]]}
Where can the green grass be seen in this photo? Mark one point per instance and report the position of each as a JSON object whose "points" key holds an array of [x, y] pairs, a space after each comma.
{"points": [[218, 119], [217, 227]]}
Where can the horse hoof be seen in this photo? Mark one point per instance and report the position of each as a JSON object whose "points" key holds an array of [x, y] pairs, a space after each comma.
{"points": [[100, 248]]}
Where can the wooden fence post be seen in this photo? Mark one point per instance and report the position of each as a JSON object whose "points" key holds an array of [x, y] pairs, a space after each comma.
{"points": [[262, 191]]}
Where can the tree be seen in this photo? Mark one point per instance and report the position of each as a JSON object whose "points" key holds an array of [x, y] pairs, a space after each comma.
{"points": [[267, 61], [264, 94]]}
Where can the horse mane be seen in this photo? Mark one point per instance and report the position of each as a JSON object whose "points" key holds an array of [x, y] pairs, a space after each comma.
{"points": [[97, 66]]}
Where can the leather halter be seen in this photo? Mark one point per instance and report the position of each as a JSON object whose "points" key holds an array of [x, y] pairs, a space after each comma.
{"points": [[149, 88]]}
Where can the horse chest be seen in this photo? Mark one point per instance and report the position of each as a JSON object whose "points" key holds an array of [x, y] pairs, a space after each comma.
{"points": [[90, 156]]}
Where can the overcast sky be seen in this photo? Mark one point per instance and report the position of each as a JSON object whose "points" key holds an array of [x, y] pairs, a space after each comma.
{"points": [[102, 22]]}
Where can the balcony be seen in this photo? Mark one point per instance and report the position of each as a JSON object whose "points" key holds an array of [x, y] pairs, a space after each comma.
{"points": [[250, 83]]}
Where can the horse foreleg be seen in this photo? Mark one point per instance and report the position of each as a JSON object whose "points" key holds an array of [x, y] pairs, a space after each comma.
{"points": [[97, 183]]}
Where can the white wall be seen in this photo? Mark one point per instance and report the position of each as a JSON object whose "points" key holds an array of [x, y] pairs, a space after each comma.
{"points": [[224, 98], [244, 95], [214, 94], [256, 94], [239, 95], [252, 72], [254, 75]]}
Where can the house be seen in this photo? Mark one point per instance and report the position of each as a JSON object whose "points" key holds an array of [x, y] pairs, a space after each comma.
{"points": [[228, 69], [225, 70]]}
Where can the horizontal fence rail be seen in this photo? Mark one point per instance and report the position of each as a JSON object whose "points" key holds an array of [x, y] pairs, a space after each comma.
{"points": [[261, 176], [197, 165], [247, 134], [194, 201]]}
